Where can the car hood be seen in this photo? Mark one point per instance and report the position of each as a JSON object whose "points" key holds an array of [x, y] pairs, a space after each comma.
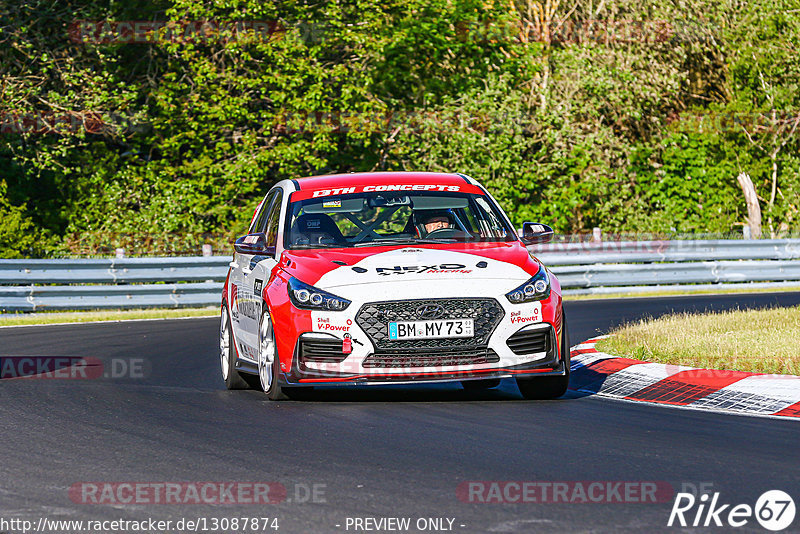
{"points": [[425, 265]]}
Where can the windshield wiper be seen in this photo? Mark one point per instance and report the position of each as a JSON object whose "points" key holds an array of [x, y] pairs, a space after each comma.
{"points": [[319, 245], [401, 241]]}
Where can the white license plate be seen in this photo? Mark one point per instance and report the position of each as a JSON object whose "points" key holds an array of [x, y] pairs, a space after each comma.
{"points": [[431, 329]]}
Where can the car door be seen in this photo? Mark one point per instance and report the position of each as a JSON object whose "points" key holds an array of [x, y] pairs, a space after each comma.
{"points": [[251, 274]]}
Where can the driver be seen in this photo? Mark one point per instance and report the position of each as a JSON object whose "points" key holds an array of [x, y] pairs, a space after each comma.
{"points": [[436, 220]]}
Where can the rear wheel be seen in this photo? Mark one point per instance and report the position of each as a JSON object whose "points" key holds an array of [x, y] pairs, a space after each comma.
{"points": [[227, 353], [478, 385], [268, 361], [549, 387]]}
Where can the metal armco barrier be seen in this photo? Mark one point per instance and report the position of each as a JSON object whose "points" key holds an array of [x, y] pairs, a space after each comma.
{"points": [[666, 251], [111, 283], [707, 272], [582, 268], [38, 298], [113, 270], [639, 266]]}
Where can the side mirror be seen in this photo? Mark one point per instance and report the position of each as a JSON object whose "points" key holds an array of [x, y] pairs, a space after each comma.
{"points": [[255, 244], [533, 233]]}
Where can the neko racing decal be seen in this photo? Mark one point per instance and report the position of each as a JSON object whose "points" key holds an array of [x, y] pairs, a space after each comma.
{"points": [[443, 268]]}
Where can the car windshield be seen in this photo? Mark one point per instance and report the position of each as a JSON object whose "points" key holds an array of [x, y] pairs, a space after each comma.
{"points": [[380, 218]]}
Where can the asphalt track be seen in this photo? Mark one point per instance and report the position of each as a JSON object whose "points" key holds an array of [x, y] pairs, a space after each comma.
{"points": [[397, 452]]}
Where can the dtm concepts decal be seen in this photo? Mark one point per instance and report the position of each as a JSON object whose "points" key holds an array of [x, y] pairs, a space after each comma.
{"points": [[379, 188]]}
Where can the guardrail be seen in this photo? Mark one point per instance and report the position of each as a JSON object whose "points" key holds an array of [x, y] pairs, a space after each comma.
{"points": [[666, 251], [582, 268], [118, 283], [641, 266]]}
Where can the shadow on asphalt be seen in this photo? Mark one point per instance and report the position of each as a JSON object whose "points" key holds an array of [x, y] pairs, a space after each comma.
{"points": [[506, 391], [585, 382], [416, 393]]}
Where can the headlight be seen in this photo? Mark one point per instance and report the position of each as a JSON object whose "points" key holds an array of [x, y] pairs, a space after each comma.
{"points": [[309, 297], [537, 288]]}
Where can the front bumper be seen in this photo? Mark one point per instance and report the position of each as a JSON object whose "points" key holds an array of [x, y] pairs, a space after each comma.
{"points": [[354, 348]]}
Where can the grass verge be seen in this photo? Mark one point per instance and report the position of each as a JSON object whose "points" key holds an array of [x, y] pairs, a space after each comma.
{"points": [[111, 315], [759, 341]]}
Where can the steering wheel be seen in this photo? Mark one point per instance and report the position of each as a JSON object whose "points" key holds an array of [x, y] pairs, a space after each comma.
{"points": [[446, 232]]}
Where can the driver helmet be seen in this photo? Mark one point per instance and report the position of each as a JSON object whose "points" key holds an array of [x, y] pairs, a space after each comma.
{"points": [[428, 219]]}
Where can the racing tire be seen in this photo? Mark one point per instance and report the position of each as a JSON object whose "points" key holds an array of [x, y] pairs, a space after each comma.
{"points": [[549, 387], [480, 385], [227, 353], [268, 360]]}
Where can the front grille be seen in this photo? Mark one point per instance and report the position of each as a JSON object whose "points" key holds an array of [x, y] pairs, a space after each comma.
{"points": [[374, 319], [531, 341], [406, 359], [321, 350]]}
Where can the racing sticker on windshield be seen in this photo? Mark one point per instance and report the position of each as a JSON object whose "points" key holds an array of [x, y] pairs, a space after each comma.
{"points": [[420, 269], [332, 204], [533, 314], [388, 187]]}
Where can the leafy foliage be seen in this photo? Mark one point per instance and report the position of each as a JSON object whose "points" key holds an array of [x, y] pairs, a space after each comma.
{"points": [[629, 117]]}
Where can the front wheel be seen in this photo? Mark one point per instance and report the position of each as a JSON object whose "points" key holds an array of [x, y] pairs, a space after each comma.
{"points": [[268, 361], [549, 387], [227, 353]]}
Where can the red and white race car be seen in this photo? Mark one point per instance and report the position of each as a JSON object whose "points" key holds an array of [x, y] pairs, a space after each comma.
{"points": [[389, 278]]}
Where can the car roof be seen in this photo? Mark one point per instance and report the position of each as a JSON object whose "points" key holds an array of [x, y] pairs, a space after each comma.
{"points": [[368, 178]]}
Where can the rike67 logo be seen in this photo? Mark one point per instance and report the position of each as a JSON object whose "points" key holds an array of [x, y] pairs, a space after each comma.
{"points": [[774, 510]]}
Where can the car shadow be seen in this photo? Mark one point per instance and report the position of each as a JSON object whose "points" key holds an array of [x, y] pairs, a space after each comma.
{"points": [[585, 382], [416, 393], [450, 392]]}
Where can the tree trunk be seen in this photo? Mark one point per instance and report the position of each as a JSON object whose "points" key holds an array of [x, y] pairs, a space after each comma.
{"points": [[753, 209]]}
